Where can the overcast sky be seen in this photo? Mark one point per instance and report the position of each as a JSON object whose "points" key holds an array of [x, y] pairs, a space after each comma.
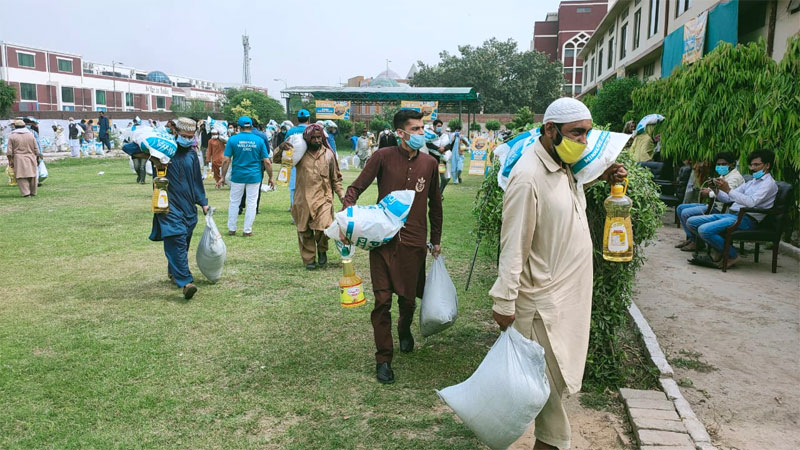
{"points": [[306, 43]]}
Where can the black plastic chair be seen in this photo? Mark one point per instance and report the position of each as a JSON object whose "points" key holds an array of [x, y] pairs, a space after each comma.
{"points": [[679, 190], [768, 230]]}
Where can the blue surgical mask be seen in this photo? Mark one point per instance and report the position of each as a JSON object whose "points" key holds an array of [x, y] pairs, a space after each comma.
{"points": [[723, 170], [438, 129], [415, 141], [758, 174], [185, 142]]}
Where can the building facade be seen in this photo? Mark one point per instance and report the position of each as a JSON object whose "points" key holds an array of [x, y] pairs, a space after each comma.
{"points": [[630, 40], [563, 34], [48, 80]]}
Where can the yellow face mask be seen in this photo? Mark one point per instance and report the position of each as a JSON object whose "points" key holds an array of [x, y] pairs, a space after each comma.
{"points": [[568, 150]]}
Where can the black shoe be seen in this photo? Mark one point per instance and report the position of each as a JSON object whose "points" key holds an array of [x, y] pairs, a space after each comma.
{"points": [[189, 291], [406, 343], [384, 373], [311, 266], [322, 258]]}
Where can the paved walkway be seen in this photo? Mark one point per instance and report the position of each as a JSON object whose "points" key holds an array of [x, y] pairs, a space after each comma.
{"points": [[733, 340]]}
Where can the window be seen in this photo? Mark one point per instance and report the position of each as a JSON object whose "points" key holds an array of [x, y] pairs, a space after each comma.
{"points": [[583, 10], [583, 79], [681, 6], [652, 27], [569, 53], [610, 52], [27, 91], [128, 99], [178, 100], [68, 108], [67, 95], [100, 97], [568, 73], [161, 102], [591, 72], [26, 60], [623, 38], [624, 13], [577, 89], [599, 63], [637, 26], [649, 70], [64, 65]]}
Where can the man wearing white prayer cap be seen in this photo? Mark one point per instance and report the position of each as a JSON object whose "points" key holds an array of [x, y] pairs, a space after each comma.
{"points": [[544, 282]]}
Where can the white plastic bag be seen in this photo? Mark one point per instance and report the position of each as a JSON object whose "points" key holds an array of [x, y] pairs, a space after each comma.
{"points": [[299, 147], [42, 171], [602, 149], [371, 226], [344, 164], [505, 394], [439, 307], [211, 251], [130, 164]]}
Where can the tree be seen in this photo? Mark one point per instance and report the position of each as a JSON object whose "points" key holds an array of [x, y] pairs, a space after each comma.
{"points": [[345, 126], [377, 124], [613, 102], [454, 123], [493, 125], [505, 78], [195, 109], [523, 120], [358, 127], [260, 106], [7, 97], [474, 126]]}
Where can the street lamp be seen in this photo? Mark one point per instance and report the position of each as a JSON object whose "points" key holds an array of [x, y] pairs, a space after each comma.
{"points": [[285, 83], [114, 81]]}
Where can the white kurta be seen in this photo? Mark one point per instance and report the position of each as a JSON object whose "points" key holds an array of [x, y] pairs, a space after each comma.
{"points": [[546, 259]]}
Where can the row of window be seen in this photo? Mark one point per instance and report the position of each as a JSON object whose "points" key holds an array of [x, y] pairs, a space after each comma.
{"points": [[29, 60], [28, 93], [607, 50]]}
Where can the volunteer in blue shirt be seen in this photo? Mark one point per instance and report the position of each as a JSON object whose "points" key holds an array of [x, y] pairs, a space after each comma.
{"points": [[263, 136], [249, 154], [303, 116]]}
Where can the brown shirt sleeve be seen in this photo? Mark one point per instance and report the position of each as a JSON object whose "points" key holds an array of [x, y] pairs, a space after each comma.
{"points": [[367, 176], [335, 176], [435, 207]]}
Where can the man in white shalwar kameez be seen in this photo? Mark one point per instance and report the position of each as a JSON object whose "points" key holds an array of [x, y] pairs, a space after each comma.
{"points": [[544, 283]]}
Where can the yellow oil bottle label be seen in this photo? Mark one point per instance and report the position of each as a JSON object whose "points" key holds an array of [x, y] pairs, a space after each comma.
{"points": [[283, 175], [162, 199], [352, 296], [617, 237], [442, 168]]}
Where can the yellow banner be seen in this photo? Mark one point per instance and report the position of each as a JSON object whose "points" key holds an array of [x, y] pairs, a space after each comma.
{"points": [[430, 110], [694, 34], [479, 155], [332, 109]]}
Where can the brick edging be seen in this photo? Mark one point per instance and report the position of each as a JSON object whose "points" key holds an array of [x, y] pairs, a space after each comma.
{"points": [[693, 426]]}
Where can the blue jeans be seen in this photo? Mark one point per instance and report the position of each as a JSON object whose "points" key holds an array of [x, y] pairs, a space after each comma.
{"points": [[687, 210], [710, 228]]}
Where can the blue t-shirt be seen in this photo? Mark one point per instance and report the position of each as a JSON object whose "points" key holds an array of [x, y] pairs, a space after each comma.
{"points": [[247, 151]]}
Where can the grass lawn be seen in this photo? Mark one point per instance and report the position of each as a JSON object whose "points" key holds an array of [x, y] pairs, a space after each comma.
{"points": [[98, 349]]}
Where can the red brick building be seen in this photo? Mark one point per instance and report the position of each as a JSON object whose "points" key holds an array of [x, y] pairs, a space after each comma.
{"points": [[563, 34]]}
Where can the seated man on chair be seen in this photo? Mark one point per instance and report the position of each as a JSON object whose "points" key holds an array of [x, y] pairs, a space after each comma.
{"points": [[726, 167], [759, 192]]}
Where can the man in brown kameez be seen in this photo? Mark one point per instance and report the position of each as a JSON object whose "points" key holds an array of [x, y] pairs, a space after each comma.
{"points": [[399, 266], [317, 179], [23, 158]]}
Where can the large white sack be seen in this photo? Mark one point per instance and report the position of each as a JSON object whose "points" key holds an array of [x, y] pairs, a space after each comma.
{"points": [[158, 143], [505, 394], [299, 147], [439, 307], [602, 149], [371, 226], [211, 251]]}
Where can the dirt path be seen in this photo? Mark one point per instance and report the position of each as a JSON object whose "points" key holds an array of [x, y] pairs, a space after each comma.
{"points": [[744, 324], [591, 429]]}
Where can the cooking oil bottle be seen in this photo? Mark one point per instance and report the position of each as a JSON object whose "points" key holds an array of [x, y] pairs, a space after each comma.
{"points": [[286, 168], [352, 292], [618, 233], [12, 178], [160, 199]]}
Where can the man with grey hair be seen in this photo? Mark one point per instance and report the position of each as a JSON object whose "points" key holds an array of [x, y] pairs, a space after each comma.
{"points": [[544, 283]]}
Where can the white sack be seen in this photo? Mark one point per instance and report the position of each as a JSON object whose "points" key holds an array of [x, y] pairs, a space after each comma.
{"points": [[211, 251], [505, 394], [439, 307], [371, 226]]}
